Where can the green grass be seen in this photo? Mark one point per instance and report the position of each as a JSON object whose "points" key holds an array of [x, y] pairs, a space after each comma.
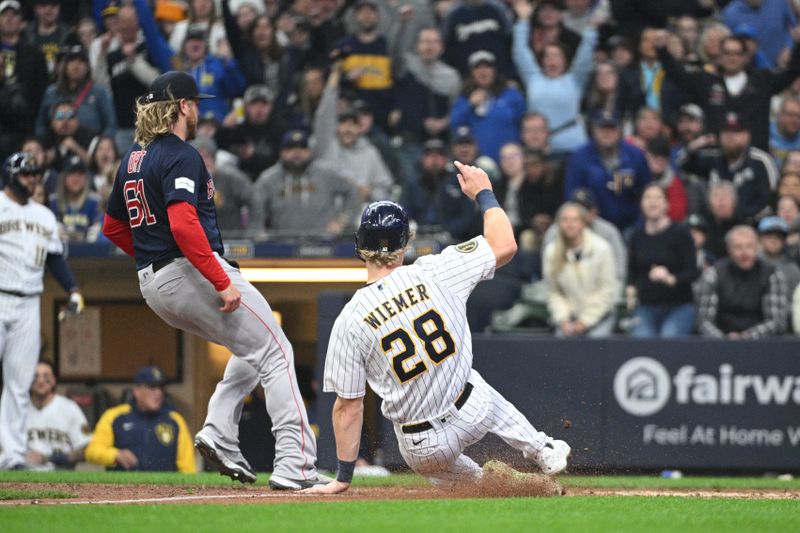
{"points": [[573, 515], [34, 494]]}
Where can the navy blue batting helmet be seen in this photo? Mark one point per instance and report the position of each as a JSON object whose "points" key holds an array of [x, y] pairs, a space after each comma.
{"points": [[16, 164], [383, 228]]}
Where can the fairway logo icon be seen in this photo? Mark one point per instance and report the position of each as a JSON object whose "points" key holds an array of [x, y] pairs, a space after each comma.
{"points": [[642, 386]]}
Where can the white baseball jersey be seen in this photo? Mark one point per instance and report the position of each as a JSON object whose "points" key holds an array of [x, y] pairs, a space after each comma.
{"points": [[407, 334], [59, 425], [27, 234]]}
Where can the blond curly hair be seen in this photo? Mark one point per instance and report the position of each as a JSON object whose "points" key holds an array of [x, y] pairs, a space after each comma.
{"points": [[155, 119]]}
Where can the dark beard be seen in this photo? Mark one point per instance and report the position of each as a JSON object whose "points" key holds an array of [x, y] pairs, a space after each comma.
{"points": [[733, 154], [367, 28], [296, 168]]}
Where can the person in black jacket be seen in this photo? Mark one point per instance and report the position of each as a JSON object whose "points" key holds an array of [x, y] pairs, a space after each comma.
{"points": [[661, 269], [751, 170], [25, 70], [733, 87]]}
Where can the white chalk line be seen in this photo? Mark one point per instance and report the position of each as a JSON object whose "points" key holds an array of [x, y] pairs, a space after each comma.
{"points": [[154, 500]]}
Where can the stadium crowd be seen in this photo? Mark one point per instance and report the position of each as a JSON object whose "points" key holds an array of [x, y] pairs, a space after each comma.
{"points": [[648, 153]]}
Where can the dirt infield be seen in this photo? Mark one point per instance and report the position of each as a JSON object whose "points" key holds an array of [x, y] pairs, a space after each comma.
{"points": [[99, 494]]}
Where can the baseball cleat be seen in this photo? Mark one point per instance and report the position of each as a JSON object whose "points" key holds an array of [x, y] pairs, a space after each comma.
{"points": [[552, 459], [231, 464], [278, 482]]}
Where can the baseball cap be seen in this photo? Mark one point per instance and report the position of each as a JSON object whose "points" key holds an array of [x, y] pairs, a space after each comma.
{"points": [[605, 118], [361, 107], [745, 30], [692, 110], [463, 135], [434, 145], [173, 85], [112, 8], [75, 51], [618, 41], [481, 56], [773, 225], [149, 375], [295, 139], [584, 197], [196, 31], [10, 4], [258, 92], [347, 114], [659, 146], [46, 2], [733, 122], [697, 222], [74, 164], [204, 143], [365, 3], [557, 4]]}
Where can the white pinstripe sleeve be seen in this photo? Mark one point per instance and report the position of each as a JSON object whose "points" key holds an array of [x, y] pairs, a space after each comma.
{"points": [[459, 268], [345, 372]]}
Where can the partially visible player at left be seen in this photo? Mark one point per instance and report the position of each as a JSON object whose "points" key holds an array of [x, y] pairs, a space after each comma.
{"points": [[28, 241]]}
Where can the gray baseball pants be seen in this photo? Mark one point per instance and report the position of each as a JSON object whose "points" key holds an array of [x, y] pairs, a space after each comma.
{"points": [[184, 299]]}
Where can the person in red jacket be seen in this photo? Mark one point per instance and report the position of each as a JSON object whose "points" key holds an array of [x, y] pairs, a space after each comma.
{"points": [[658, 159]]}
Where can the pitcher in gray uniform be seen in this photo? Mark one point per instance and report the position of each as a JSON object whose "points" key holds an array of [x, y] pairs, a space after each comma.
{"points": [[161, 212]]}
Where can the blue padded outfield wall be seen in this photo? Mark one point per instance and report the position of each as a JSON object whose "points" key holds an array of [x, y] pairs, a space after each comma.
{"points": [[629, 404]]}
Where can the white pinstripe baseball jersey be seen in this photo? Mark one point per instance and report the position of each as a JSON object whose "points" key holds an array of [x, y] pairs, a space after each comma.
{"points": [[407, 334], [59, 425], [27, 234]]}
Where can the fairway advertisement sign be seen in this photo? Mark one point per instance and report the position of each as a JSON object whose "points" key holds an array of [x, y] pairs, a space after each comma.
{"points": [[689, 404]]}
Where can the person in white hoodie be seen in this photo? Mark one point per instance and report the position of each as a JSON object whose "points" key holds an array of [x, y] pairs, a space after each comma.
{"points": [[339, 141], [581, 278]]}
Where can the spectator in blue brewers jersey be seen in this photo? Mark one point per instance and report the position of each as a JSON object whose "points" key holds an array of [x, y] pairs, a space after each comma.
{"points": [[489, 105], [615, 171], [144, 434], [76, 207]]}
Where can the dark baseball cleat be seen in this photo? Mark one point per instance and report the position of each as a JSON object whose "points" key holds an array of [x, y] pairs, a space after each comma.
{"points": [[277, 482], [231, 464]]}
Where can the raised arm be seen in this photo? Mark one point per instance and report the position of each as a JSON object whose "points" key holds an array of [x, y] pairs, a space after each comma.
{"points": [[497, 228], [581, 67], [521, 52]]}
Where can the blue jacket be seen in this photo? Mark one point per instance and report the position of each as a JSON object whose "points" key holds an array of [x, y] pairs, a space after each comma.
{"points": [[500, 124], [617, 193], [96, 112], [443, 205], [772, 22]]}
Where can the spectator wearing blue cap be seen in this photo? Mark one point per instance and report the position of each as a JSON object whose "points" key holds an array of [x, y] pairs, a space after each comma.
{"points": [[615, 171], [145, 434], [772, 233], [750, 36], [770, 20]]}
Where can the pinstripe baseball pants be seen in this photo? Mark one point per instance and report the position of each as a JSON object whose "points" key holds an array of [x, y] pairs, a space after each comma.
{"points": [[437, 453], [20, 342]]}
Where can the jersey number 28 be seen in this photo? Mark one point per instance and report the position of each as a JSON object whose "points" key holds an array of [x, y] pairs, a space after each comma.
{"points": [[430, 329], [136, 201]]}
